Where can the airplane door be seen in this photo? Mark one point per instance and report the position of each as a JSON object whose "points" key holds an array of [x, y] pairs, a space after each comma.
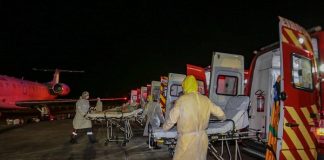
{"points": [[297, 96], [24, 89]]}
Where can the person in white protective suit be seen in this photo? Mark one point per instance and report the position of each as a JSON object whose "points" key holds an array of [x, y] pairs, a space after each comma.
{"points": [[191, 113], [80, 122], [45, 113], [154, 115], [98, 106]]}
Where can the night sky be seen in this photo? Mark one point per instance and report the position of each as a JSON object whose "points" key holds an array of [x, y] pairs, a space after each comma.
{"points": [[123, 45]]}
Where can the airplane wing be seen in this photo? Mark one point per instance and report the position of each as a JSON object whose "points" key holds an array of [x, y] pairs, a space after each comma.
{"points": [[30, 102], [34, 102], [6, 106]]}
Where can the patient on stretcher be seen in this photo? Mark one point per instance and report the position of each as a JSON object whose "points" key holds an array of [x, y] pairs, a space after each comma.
{"points": [[125, 110]]}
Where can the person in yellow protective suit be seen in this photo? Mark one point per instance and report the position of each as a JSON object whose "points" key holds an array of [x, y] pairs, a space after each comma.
{"points": [[191, 113]]}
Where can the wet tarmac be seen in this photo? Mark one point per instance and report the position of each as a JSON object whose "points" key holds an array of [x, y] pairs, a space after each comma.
{"points": [[49, 140]]}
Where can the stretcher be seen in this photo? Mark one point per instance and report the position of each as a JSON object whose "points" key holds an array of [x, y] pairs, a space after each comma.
{"points": [[223, 131], [116, 118]]}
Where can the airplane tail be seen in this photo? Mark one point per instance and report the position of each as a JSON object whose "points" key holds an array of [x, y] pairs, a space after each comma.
{"points": [[55, 87], [56, 76]]}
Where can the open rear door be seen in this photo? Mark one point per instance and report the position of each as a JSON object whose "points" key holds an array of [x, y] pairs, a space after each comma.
{"points": [[134, 95], [290, 136], [227, 77], [143, 95], [155, 90], [174, 90], [163, 92]]}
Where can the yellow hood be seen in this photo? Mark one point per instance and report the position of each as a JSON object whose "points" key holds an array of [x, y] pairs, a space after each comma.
{"points": [[149, 98], [190, 84]]}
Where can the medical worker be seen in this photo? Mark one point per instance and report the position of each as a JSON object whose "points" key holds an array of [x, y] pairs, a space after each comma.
{"points": [[191, 113], [154, 115], [80, 122]]}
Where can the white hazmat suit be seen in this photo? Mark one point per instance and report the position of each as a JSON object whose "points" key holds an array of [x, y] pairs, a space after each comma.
{"points": [[154, 115], [98, 105], [191, 113], [80, 122]]}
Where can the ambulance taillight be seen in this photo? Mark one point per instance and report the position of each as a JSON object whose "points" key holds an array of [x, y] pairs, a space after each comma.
{"points": [[320, 129]]}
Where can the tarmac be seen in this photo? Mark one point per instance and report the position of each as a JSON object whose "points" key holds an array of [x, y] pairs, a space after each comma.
{"points": [[49, 140]]}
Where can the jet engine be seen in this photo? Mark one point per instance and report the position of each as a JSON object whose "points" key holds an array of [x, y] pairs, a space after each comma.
{"points": [[60, 89]]}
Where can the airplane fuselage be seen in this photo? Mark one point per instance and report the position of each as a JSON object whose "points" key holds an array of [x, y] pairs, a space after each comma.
{"points": [[14, 89]]}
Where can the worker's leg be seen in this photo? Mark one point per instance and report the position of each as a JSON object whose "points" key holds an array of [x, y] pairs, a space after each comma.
{"points": [[74, 136], [90, 134]]}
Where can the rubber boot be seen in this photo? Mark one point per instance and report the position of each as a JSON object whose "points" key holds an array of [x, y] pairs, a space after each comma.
{"points": [[92, 139], [155, 146], [73, 139]]}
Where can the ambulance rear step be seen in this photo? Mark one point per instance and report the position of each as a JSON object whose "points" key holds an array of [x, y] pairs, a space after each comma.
{"points": [[254, 148]]}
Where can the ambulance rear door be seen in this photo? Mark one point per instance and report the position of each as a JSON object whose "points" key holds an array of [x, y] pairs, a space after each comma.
{"points": [[174, 90], [227, 77], [298, 106]]}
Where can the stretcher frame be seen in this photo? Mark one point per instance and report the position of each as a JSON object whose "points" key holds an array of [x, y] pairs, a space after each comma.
{"points": [[118, 121], [224, 138]]}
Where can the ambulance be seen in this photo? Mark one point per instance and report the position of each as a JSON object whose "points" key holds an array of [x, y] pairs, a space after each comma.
{"points": [[284, 89], [283, 94], [143, 96], [133, 96], [318, 46]]}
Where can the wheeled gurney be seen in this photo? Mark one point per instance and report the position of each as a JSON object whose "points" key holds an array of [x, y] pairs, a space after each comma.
{"points": [[118, 118], [223, 131]]}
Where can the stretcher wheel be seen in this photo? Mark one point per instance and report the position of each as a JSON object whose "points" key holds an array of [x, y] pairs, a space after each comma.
{"points": [[123, 144], [116, 139], [171, 152], [106, 143]]}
